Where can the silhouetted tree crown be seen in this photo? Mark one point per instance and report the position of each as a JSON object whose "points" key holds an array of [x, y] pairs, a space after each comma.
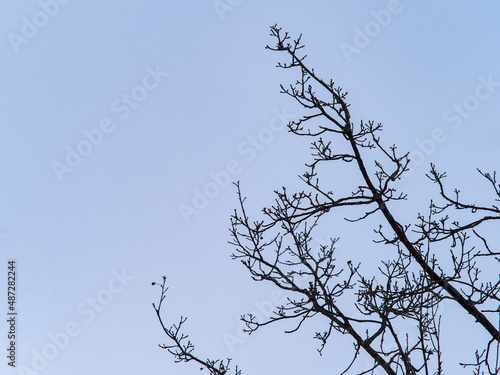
{"points": [[410, 286]]}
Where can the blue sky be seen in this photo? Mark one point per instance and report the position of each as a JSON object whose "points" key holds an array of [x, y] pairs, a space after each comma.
{"points": [[117, 116]]}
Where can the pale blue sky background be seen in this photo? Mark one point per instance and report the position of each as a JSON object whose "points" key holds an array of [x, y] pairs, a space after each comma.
{"points": [[119, 208]]}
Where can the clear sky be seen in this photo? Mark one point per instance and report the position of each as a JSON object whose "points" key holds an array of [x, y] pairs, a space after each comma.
{"points": [[117, 116]]}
